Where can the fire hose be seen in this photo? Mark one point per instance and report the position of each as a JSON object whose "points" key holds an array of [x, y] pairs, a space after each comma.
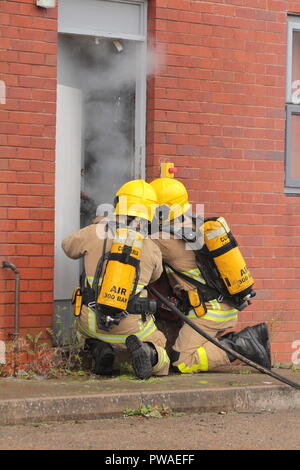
{"points": [[219, 345]]}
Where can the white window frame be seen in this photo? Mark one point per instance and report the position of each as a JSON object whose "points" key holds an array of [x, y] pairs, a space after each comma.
{"points": [[292, 185], [291, 110]]}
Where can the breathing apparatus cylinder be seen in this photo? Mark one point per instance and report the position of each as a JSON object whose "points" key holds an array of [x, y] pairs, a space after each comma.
{"points": [[118, 282], [228, 259]]}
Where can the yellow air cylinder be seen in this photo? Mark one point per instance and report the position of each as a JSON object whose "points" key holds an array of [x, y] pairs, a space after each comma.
{"points": [[120, 275], [227, 256]]}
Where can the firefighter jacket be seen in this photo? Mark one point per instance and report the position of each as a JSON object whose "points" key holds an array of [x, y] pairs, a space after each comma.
{"points": [[88, 243]]}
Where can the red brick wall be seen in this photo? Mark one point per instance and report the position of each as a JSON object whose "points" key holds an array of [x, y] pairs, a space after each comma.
{"points": [[217, 110], [27, 121]]}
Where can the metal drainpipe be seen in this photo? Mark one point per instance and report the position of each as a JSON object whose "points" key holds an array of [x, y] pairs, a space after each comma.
{"points": [[8, 265], [15, 334]]}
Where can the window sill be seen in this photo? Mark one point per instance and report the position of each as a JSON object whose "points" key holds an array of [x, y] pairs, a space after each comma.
{"points": [[292, 191]]}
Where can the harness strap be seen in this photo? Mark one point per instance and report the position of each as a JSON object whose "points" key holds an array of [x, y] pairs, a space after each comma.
{"points": [[124, 258], [99, 267], [207, 293], [213, 287]]}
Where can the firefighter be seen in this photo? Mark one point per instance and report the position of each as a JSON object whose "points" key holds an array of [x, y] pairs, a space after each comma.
{"points": [[106, 327], [191, 352]]}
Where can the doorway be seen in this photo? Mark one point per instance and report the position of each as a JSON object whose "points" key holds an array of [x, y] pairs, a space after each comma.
{"points": [[103, 71], [101, 108]]}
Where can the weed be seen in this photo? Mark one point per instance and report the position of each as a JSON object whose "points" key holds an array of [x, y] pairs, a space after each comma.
{"points": [[34, 340], [29, 357], [286, 365], [149, 411], [274, 324], [132, 378], [237, 384], [126, 368], [244, 370]]}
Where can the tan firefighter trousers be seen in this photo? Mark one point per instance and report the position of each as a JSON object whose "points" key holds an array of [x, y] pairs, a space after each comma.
{"points": [[131, 325]]}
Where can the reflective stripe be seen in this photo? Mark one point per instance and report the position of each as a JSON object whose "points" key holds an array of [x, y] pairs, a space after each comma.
{"points": [[91, 320], [221, 315], [193, 273], [145, 331], [215, 304], [91, 280], [139, 288], [216, 315], [203, 359], [201, 366], [164, 359], [215, 233], [169, 270]]}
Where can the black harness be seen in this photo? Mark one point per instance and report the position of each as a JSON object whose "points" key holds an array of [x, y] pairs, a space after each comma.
{"points": [[136, 305], [213, 287]]}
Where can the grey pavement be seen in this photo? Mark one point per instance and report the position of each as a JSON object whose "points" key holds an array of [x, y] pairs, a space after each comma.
{"points": [[90, 397]]}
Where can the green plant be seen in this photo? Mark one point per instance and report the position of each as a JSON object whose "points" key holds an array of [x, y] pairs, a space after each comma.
{"points": [[237, 384], [34, 340], [242, 370], [149, 411], [50, 362], [69, 360], [126, 368], [274, 323], [132, 378]]}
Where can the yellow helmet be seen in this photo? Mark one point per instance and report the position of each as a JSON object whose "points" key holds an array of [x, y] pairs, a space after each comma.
{"points": [[173, 194], [136, 198]]}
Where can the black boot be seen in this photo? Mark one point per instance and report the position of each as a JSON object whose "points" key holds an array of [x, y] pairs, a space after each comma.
{"points": [[174, 356], [252, 342], [143, 356], [103, 355]]}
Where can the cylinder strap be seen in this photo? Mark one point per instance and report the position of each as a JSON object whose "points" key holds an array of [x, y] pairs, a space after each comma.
{"points": [[124, 258]]}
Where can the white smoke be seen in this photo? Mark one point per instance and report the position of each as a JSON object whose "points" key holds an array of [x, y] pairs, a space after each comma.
{"points": [[106, 73]]}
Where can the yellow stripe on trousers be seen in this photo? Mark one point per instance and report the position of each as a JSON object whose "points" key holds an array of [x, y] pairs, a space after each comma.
{"points": [[201, 366], [164, 359], [91, 331]]}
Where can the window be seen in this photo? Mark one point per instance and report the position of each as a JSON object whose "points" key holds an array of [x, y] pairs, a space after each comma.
{"points": [[292, 157]]}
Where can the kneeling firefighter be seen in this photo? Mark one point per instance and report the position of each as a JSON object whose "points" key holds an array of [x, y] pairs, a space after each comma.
{"points": [[111, 304], [208, 275]]}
